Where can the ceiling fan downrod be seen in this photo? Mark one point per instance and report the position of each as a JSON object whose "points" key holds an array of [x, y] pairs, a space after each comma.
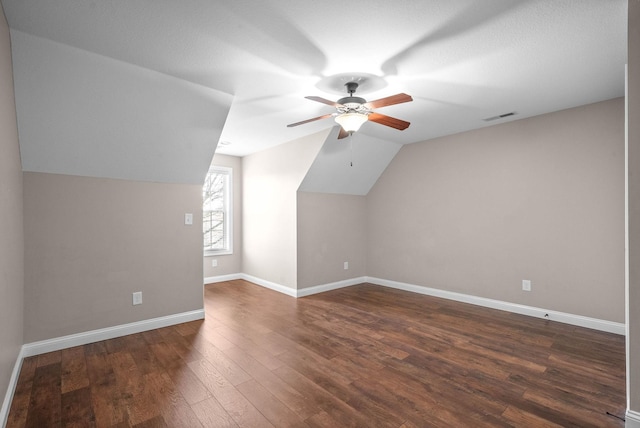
{"points": [[351, 87], [351, 102]]}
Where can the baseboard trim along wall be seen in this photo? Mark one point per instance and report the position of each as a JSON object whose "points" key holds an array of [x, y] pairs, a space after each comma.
{"points": [[632, 419], [222, 278], [328, 287], [11, 388], [258, 281], [270, 285], [58, 343], [286, 290], [578, 320]]}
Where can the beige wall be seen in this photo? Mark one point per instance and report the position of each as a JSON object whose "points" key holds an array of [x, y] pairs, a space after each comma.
{"points": [[539, 199], [229, 263], [331, 231], [91, 242], [633, 112], [270, 181], [11, 234]]}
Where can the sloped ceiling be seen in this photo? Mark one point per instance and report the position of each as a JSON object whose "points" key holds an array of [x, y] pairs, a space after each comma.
{"points": [[85, 114], [462, 61], [349, 166]]}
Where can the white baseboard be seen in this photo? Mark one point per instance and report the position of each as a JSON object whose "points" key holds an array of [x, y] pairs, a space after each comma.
{"points": [[328, 287], [258, 281], [270, 285], [58, 343], [578, 320], [50, 345], [284, 289], [11, 388], [222, 278], [632, 419]]}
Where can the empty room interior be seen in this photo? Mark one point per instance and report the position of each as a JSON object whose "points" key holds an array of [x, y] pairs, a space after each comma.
{"points": [[320, 214]]}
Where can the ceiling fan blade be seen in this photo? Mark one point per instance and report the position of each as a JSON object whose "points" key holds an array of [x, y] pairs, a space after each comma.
{"points": [[342, 134], [323, 101], [389, 121], [389, 101], [324, 116]]}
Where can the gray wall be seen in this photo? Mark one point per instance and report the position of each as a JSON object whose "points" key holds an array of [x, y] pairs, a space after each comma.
{"points": [[11, 235], [270, 180], [539, 199], [633, 112], [91, 242], [331, 231], [229, 263]]}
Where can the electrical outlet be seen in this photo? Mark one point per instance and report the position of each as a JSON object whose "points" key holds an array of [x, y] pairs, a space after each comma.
{"points": [[526, 285], [214, 262], [137, 298], [346, 265], [188, 219]]}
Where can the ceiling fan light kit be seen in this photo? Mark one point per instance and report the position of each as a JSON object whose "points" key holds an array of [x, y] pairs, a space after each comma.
{"points": [[351, 122], [352, 112]]}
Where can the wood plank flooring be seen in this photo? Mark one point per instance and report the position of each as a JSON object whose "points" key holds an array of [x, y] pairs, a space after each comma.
{"points": [[363, 356]]}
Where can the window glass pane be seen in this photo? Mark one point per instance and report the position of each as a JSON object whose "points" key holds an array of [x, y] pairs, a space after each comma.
{"points": [[213, 225], [216, 210]]}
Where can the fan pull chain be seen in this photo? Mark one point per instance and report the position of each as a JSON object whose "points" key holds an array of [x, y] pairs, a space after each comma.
{"points": [[351, 143]]}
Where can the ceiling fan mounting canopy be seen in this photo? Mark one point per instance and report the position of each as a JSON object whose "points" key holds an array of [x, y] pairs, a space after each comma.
{"points": [[352, 112], [351, 102]]}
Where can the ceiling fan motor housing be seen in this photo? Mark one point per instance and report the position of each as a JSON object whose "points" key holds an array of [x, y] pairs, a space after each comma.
{"points": [[351, 101], [352, 104]]}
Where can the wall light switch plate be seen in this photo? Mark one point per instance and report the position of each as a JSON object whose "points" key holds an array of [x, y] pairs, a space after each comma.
{"points": [[188, 219], [346, 265], [137, 298], [526, 285]]}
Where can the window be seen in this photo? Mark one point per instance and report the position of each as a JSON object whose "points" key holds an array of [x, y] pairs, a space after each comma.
{"points": [[216, 215]]}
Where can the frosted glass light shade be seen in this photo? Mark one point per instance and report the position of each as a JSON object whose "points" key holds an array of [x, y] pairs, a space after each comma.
{"points": [[351, 122]]}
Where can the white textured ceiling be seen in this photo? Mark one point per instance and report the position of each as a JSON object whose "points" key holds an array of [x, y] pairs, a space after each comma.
{"points": [[462, 60]]}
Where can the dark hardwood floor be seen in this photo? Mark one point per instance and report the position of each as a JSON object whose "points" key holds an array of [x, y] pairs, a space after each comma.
{"points": [[361, 356]]}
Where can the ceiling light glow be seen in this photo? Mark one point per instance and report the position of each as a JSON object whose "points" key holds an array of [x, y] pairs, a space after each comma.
{"points": [[351, 122]]}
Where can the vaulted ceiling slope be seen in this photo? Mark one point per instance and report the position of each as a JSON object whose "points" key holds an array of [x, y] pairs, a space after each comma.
{"points": [[84, 114], [462, 61], [350, 166]]}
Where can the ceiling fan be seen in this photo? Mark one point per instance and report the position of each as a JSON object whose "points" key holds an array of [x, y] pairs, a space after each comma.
{"points": [[353, 111]]}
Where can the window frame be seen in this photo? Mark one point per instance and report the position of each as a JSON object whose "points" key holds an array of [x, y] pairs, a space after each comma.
{"points": [[228, 211]]}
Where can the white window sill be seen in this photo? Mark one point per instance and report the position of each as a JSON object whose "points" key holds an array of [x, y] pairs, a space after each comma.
{"points": [[210, 253]]}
